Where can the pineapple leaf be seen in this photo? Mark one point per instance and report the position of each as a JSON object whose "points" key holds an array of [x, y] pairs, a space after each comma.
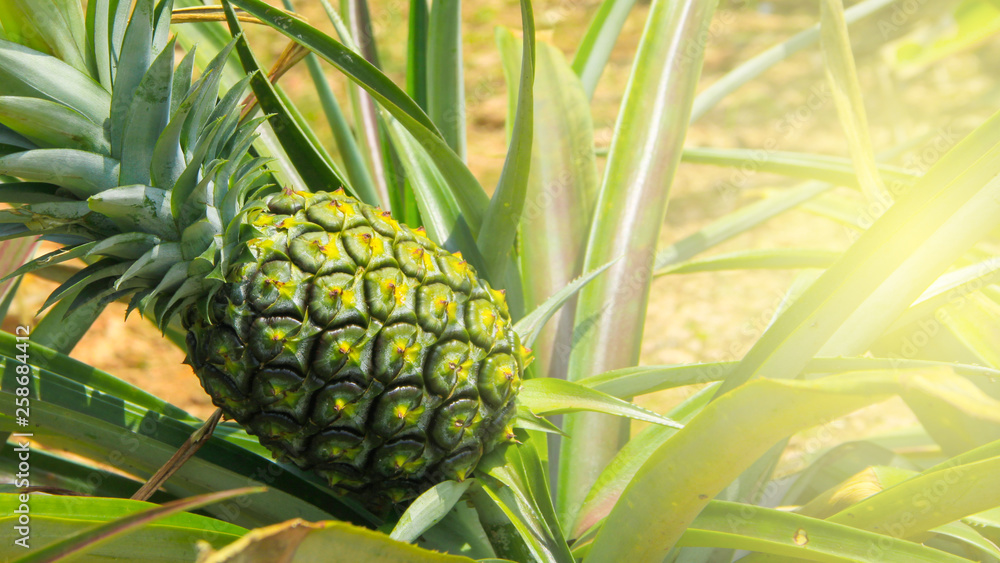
{"points": [[445, 84], [526, 497], [529, 327], [971, 489], [892, 263], [26, 72], [962, 281], [81, 173], [510, 536], [14, 140], [467, 191], [595, 48], [53, 26], [177, 139], [354, 163], [50, 124], [315, 170], [642, 380], [496, 238], [738, 428], [548, 396], [30, 192], [129, 246], [766, 530], [64, 325], [183, 78], [135, 58], [530, 421], [833, 169], [618, 474], [645, 152], [56, 517], [560, 195], [156, 262], [52, 258], [298, 539], [118, 21], [147, 117], [769, 258], [416, 53], [97, 271], [428, 509], [737, 222], [440, 210], [716, 92], [89, 538], [842, 75], [98, 23], [137, 208]]}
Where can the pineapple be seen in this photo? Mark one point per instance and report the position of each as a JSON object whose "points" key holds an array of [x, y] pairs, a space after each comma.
{"points": [[348, 343]]}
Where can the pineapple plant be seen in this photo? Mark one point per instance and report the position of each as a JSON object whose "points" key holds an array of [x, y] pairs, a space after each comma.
{"points": [[363, 360], [348, 343]]}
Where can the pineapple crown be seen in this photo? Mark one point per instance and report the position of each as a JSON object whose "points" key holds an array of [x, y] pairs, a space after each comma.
{"points": [[129, 162]]}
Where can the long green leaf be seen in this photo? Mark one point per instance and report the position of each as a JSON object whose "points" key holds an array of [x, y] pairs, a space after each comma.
{"points": [[298, 540], [501, 222], [641, 380], [147, 117], [561, 192], [737, 222], [768, 259], [846, 92], [88, 539], [830, 169], [716, 92], [314, 169], [893, 262], [50, 124], [416, 52], [13, 255], [969, 489], [765, 530], [440, 211], [595, 48], [468, 193], [445, 79], [358, 34], [617, 475], [82, 173], [546, 395], [529, 327], [354, 163], [526, 498], [951, 287], [25, 72], [632, 203], [717, 445], [428, 509]]}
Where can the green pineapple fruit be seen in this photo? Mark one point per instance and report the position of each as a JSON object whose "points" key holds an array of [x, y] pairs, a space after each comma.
{"points": [[349, 344]]}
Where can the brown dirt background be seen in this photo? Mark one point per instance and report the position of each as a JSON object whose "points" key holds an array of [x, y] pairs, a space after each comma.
{"points": [[692, 318]]}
